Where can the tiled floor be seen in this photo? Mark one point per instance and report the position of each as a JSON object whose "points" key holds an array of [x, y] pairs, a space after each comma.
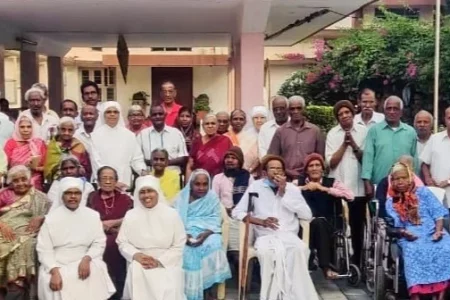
{"points": [[328, 290]]}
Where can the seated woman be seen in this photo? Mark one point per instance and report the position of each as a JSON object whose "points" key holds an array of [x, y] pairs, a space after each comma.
{"points": [[425, 244], [136, 119], [168, 179], [323, 196], [204, 261], [65, 144], [22, 211], [69, 167], [70, 247], [154, 254], [112, 205], [24, 148]]}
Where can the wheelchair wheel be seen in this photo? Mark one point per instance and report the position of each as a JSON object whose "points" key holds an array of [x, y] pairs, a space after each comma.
{"points": [[380, 284], [355, 278]]}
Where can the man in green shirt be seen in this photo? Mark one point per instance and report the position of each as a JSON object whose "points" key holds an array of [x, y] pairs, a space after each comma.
{"points": [[385, 143]]}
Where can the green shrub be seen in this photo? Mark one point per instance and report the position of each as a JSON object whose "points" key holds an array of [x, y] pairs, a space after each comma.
{"points": [[321, 116]]}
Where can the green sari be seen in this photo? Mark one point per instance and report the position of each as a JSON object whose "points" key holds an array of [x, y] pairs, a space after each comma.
{"points": [[18, 258]]}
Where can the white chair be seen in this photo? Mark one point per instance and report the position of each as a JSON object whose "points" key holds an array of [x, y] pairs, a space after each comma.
{"points": [[438, 192]]}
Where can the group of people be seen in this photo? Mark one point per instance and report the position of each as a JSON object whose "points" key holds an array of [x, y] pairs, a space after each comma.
{"points": [[134, 209]]}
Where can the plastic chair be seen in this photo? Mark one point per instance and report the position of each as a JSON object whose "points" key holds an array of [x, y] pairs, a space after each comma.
{"points": [[221, 289], [438, 192]]}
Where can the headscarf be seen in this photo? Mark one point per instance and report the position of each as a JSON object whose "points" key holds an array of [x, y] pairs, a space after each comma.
{"points": [[69, 183], [147, 181], [314, 156], [105, 107], [16, 134], [240, 175], [406, 203], [343, 103]]}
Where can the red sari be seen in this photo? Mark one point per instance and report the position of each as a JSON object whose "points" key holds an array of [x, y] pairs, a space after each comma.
{"points": [[112, 208], [209, 156]]}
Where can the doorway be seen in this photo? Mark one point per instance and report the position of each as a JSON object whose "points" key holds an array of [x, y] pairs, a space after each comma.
{"points": [[182, 77]]}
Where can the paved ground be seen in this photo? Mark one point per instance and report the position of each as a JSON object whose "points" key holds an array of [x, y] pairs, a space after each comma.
{"points": [[328, 290]]}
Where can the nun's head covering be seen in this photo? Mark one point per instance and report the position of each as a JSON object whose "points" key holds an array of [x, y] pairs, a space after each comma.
{"points": [[105, 107], [147, 181], [259, 111], [67, 183]]}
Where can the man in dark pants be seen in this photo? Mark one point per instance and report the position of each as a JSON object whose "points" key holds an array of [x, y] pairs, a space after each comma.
{"points": [[344, 151]]}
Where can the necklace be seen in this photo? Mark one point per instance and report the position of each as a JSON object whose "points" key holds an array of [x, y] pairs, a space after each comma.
{"points": [[109, 208]]}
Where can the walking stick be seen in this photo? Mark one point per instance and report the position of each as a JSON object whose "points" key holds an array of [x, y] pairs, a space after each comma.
{"points": [[243, 283]]}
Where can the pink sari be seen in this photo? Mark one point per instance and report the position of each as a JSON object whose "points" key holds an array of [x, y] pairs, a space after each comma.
{"points": [[20, 152]]}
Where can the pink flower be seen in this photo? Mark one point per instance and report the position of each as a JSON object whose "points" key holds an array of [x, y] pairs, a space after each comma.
{"points": [[386, 82], [332, 85], [411, 70], [311, 77], [326, 70], [293, 56]]}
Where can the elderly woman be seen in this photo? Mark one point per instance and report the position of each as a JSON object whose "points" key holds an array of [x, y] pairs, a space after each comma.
{"points": [[112, 205], [323, 196], [71, 263], [168, 179], [204, 260], [208, 151], [122, 156], [137, 120], [154, 254], [187, 125], [246, 140], [65, 144], [69, 167], [425, 245], [22, 211], [24, 148]]}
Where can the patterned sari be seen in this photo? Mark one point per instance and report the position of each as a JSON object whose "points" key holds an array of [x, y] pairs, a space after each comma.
{"points": [[209, 155], [18, 258]]}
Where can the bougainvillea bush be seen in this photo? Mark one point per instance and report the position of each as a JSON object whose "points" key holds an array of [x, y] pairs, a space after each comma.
{"points": [[393, 52]]}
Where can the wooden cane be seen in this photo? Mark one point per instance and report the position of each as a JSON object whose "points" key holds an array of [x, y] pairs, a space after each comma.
{"points": [[243, 283]]}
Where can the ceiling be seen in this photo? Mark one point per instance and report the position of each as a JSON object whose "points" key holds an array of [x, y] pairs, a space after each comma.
{"points": [[55, 24]]}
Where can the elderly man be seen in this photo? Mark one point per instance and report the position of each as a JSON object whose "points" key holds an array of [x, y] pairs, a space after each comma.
{"points": [[44, 89], [160, 135], [44, 125], [385, 143], [344, 152], [368, 103], [168, 96], [223, 119], [283, 256], [89, 116], [423, 123], [296, 139], [436, 159], [280, 112]]}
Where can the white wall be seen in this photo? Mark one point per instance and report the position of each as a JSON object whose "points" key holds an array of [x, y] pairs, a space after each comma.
{"points": [[71, 79], [138, 79], [278, 75], [212, 81]]}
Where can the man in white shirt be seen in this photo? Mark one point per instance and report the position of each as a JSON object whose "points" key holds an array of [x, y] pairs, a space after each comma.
{"points": [[368, 103], [267, 131], [423, 124], [436, 159], [159, 135], [44, 89], [44, 125], [6, 129], [282, 255], [343, 153]]}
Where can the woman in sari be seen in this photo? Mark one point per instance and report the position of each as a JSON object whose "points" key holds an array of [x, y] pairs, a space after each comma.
{"points": [[112, 205], [186, 124], [137, 120], [65, 144], [24, 148], [207, 152], [69, 167], [419, 217], [22, 211], [204, 260], [152, 239]]}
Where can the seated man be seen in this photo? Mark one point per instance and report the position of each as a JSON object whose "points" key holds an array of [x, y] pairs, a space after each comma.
{"points": [[282, 255], [70, 247], [323, 196]]}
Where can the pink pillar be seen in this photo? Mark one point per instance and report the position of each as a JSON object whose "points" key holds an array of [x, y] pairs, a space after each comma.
{"points": [[249, 70]]}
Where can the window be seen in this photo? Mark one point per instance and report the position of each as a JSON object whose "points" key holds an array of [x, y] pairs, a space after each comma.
{"points": [[97, 49], [156, 49], [98, 76], [84, 75], [111, 76], [110, 94], [171, 49], [104, 77], [411, 13]]}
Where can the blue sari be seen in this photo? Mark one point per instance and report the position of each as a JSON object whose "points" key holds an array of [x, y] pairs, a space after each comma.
{"points": [[206, 264]]}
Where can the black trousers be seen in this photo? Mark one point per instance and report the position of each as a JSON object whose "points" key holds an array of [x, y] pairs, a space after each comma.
{"points": [[321, 239], [357, 219]]}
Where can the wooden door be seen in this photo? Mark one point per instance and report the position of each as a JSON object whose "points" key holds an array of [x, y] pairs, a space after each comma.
{"points": [[180, 76]]}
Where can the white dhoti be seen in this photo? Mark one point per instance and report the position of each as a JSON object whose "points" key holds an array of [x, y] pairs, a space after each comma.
{"points": [[284, 268]]}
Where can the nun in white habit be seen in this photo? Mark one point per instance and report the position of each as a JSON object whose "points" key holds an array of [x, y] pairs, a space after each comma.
{"points": [[152, 239], [70, 248], [115, 145]]}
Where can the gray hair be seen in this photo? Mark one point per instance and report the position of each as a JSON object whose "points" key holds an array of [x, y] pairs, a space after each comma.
{"points": [[134, 108], [297, 99], [408, 158], [42, 87], [426, 113], [279, 97], [164, 151], [223, 113], [68, 120], [16, 170], [34, 90], [210, 115], [395, 99]]}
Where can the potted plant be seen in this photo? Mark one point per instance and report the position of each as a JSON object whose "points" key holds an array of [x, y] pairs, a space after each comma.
{"points": [[201, 106]]}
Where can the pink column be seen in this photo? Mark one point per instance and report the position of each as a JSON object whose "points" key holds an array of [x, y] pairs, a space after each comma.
{"points": [[249, 70]]}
